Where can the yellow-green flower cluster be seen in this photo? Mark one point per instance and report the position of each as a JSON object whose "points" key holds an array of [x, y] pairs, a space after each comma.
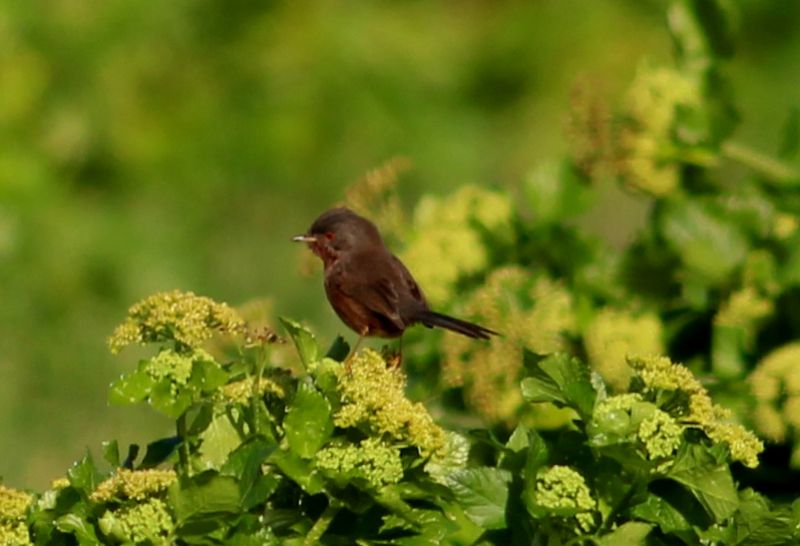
{"points": [[447, 243], [619, 402], [660, 434], [241, 392], [715, 421], [773, 377], [13, 503], [660, 373], [13, 507], [372, 460], [785, 225], [180, 317], [374, 396], [744, 309], [168, 364], [59, 483], [14, 534], [145, 522], [536, 313], [646, 140], [614, 334], [630, 418], [563, 489], [775, 384], [133, 484]]}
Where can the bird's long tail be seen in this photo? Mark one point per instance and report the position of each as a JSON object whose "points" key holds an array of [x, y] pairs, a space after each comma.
{"points": [[469, 329]]}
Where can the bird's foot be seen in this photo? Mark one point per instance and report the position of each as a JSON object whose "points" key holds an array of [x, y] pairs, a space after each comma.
{"points": [[393, 357], [348, 362]]}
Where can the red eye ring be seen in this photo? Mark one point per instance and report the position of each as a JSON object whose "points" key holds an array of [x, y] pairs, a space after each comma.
{"points": [[329, 235]]}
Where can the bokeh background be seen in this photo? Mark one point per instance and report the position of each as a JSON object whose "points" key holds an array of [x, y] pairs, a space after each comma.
{"points": [[146, 146]]}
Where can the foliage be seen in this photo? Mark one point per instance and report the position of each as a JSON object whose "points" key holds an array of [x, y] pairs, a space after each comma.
{"points": [[149, 146], [337, 454], [262, 456]]}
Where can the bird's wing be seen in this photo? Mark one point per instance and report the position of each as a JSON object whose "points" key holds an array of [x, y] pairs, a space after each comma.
{"points": [[417, 299], [373, 287]]}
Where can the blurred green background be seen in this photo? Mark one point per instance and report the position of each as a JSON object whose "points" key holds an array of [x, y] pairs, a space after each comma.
{"points": [[146, 146]]}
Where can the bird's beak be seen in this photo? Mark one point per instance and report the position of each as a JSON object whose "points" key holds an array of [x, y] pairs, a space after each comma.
{"points": [[304, 239]]}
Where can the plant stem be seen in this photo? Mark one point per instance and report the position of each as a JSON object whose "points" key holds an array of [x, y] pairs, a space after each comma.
{"points": [[183, 453], [638, 484], [768, 166], [321, 525], [254, 395]]}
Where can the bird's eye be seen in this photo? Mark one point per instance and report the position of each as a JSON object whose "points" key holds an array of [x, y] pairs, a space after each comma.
{"points": [[329, 235]]}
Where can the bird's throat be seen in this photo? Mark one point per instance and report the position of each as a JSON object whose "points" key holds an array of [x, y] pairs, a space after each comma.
{"points": [[326, 254]]}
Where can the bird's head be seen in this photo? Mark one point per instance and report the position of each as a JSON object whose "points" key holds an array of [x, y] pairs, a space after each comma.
{"points": [[338, 231]]}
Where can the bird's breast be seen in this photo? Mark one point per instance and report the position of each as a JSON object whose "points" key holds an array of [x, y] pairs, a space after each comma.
{"points": [[354, 313]]}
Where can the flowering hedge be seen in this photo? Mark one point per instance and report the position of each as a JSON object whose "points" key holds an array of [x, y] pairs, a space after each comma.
{"points": [[335, 453]]}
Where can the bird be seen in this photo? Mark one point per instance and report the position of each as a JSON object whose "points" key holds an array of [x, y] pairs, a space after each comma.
{"points": [[369, 288]]}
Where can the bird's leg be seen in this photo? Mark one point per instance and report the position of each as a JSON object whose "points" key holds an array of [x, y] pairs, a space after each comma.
{"points": [[398, 359], [348, 362], [393, 358]]}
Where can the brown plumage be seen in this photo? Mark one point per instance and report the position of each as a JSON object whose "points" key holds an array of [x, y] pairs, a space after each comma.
{"points": [[368, 286]]}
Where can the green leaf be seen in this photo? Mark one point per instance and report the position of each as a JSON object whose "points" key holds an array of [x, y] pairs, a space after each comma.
{"points": [[339, 349], [259, 490], [84, 475], [418, 540], [632, 533], [657, 510], [130, 458], [465, 531], [709, 246], [203, 418], [207, 376], [301, 471], [555, 192], [217, 441], [111, 453], [431, 525], [164, 399], [245, 465], [709, 480], [560, 379], [727, 346], [308, 423], [245, 462], [702, 30], [203, 495], [519, 439], [536, 457], [303, 339], [261, 537], [433, 530], [79, 527], [159, 451], [326, 378], [457, 455], [482, 493], [131, 388], [392, 522], [756, 524]]}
